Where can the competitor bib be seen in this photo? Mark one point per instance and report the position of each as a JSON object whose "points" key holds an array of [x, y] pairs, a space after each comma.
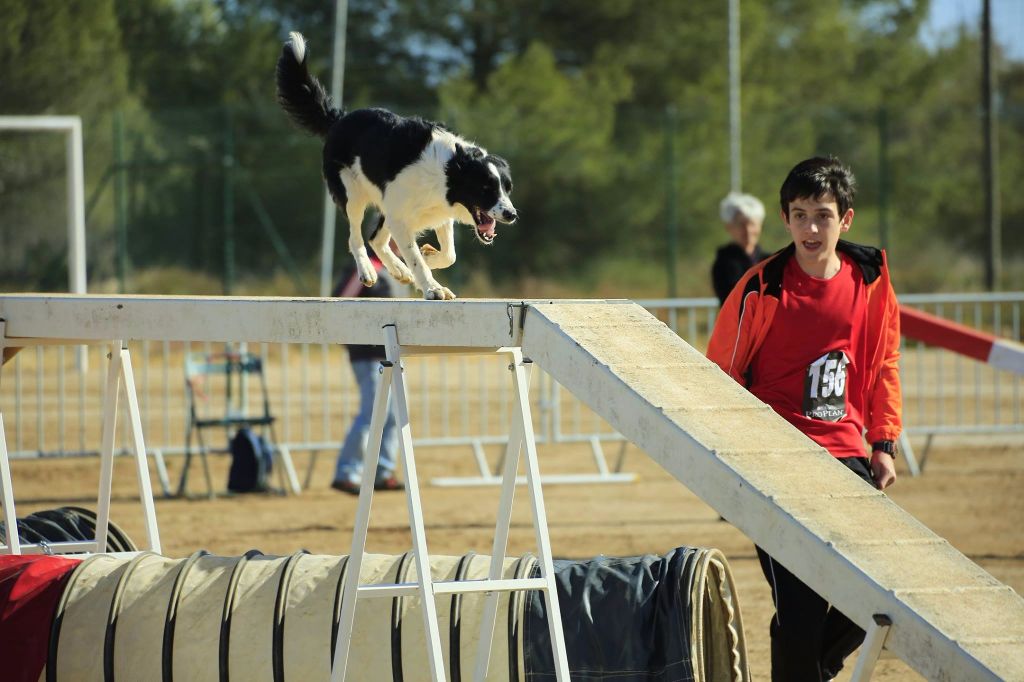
{"points": [[824, 395]]}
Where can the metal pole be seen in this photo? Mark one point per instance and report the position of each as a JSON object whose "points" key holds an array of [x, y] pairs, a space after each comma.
{"points": [[735, 163], [990, 169], [76, 208], [670, 197], [229, 204], [76, 223], [883, 178], [337, 90], [120, 201]]}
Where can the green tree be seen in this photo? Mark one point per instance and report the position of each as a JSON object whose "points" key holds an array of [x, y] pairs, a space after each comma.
{"points": [[556, 129], [58, 58], [575, 93]]}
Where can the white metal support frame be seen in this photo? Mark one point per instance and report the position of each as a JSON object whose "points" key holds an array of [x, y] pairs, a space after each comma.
{"points": [[392, 386], [522, 436], [119, 372], [602, 473], [908, 455], [871, 649]]}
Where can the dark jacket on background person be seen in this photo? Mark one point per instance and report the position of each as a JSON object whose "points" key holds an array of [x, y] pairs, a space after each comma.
{"points": [[731, 261]]}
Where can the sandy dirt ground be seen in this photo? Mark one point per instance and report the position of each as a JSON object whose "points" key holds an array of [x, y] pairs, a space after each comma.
{"points": [[972, 494]]}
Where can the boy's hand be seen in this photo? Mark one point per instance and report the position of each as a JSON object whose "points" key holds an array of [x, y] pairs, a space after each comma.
{"points": [[883, 468]]}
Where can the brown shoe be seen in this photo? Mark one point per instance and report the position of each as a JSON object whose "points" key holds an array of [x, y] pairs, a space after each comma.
{"points": [[346, 487], [390, 483]]}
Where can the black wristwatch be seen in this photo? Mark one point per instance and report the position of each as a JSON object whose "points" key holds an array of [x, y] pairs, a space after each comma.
{"points": [[886, 446]]}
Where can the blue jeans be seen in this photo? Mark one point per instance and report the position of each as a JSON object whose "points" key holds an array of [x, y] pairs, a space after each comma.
{"points": [[349, 466]]}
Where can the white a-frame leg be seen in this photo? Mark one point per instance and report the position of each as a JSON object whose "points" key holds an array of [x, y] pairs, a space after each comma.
{"points": [[392, 384], [871, 649], [522, 435], [119, 372]]}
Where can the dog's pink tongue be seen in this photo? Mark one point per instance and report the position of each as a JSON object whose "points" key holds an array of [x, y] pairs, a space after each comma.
{"points": [[487, 228]]}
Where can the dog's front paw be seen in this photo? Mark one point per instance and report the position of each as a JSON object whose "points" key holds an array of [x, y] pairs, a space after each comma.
{"points": [[367, 273], [428, 249], [438, 293]]}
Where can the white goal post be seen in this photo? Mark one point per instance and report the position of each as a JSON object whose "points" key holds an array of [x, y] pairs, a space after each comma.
{"points": [[71, 126]]}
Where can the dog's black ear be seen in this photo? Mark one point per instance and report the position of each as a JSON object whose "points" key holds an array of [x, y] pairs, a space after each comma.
{"points": [[497, 160], [469, 152], [460, 158]]}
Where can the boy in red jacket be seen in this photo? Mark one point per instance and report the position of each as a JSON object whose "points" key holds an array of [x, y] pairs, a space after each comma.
{"points": [[813, 331]]}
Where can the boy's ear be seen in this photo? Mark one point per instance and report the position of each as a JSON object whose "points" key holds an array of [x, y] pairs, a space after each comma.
{"points": [[847, 220]]}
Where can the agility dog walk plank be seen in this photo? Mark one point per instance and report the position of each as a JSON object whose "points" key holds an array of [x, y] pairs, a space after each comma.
{"points": [[950, 619], [475, 325]]}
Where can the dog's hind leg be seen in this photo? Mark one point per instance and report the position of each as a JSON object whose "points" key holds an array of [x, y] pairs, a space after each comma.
{"points": [[380, 240], [444, 258], [406, 241]]}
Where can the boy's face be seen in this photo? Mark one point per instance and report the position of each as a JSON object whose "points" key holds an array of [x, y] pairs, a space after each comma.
{"points": [[815, 225]]}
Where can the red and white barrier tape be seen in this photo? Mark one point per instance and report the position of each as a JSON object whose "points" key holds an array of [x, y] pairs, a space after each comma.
{"points": [[936, 331]]}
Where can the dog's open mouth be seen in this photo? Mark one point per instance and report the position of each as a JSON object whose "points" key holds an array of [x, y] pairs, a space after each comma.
{"points": [[484, 226]]}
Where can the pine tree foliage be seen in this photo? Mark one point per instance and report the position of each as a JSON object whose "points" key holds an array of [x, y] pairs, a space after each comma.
{"points": [[588, 99]]}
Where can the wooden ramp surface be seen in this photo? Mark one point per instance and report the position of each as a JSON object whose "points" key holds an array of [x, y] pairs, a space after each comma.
{"points": [[854, 546]]}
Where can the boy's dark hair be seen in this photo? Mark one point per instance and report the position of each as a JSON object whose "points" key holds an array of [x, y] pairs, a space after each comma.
{"points": [[818, 177]]}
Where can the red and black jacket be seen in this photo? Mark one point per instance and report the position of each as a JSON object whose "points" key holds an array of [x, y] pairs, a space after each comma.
{"points": [[747, 315]]}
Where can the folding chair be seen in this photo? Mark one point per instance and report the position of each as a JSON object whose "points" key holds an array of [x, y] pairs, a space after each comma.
{"points": [[216, 387]]}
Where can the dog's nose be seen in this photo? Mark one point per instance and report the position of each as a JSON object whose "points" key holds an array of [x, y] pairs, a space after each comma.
{"points": [[510, 215]]}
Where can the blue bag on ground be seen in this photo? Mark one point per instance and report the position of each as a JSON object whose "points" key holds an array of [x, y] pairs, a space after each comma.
{"points": [[251, 462]]}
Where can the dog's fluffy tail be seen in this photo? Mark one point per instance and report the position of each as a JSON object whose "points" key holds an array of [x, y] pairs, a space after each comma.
{"points": [[301, 94]]}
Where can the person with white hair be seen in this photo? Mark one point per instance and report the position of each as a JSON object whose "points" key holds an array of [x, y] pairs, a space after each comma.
{"points": [[743, 215]]}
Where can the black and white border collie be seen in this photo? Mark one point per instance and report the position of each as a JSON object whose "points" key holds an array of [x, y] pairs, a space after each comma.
{"points": [[419, 174]]}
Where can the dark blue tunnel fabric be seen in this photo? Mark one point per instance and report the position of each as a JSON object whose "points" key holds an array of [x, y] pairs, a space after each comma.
{"points": [[625, 619]]}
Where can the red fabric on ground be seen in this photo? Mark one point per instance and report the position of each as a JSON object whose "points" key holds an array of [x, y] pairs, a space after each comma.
{"points": [[30, 587], [936, 331]]}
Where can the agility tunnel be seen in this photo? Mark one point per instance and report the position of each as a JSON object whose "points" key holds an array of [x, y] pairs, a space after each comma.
{"points": [[256, 617], [68, 524]]}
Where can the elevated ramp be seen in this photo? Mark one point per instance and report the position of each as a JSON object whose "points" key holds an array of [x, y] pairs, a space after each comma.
{"points": [[951, 619]]}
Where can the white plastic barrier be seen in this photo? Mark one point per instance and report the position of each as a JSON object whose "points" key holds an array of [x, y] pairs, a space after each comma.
{"points": [[51, 407]]}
